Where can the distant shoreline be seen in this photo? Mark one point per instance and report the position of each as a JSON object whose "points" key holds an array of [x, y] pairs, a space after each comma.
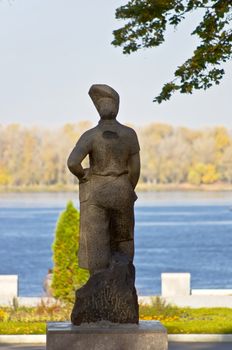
{"points": [[140, 188]]}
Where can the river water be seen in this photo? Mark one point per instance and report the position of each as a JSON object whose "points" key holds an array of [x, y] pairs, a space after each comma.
{"points": [[175, 232]]}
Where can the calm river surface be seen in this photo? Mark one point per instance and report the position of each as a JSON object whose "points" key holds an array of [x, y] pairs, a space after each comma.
{"points": [[175, 232]]}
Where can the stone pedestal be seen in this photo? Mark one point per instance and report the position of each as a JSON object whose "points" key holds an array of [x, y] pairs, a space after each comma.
{"points": [[148, 335]]}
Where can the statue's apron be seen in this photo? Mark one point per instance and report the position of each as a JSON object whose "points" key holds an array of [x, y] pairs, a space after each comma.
{"points": [[107, 192]]}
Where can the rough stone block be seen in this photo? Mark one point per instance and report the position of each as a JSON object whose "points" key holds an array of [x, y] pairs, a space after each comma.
{"points": [[175, 284], [148, 335], [108, 295]]}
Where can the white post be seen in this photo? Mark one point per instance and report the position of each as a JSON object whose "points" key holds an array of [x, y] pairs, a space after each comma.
{"points": [[8, 288], [175, 284]]}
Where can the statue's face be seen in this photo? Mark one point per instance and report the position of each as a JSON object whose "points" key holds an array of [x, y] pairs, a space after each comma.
{"points": [[107, 108]]}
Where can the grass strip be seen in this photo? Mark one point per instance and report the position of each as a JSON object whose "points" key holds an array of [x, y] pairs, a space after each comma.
{"points": [[11, 327], [22, 320]]}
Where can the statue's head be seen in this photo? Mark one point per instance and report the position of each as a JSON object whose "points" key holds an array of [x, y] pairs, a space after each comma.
{"points": [[105, 99]]}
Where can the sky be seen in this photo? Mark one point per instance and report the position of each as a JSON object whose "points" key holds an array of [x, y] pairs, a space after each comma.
{"points": [[52, 51]]}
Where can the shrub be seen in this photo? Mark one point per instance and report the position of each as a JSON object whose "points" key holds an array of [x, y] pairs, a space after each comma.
{"points": [[67, 276], [3, 315]]}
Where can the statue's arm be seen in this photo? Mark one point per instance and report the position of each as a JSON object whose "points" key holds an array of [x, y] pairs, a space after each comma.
{"points": [[74, 164], [80, 151], [134, 169]]}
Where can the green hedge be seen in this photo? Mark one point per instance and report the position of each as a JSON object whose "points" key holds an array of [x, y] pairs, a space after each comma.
{"points": [[67, 276]]}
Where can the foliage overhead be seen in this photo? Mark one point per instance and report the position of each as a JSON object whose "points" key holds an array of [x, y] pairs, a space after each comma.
{"points": [[147, 22], [67, 275]]}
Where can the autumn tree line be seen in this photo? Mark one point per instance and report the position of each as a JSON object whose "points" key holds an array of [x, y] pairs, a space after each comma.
{"points": [[36, 156]]}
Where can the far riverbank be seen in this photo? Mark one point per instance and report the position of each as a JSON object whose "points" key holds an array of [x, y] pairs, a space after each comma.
{"points": [[141, 187]]}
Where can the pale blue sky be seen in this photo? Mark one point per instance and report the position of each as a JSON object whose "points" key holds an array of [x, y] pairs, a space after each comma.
{"points": [[52, 51]]}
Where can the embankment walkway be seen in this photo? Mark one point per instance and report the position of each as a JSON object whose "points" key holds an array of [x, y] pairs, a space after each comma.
{"points": [[171, 346]]}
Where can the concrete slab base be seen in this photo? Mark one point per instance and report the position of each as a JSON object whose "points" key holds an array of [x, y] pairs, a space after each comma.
{"points": [[148, 335]]}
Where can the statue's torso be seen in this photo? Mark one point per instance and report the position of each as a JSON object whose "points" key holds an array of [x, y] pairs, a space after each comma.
{"points": [[112, 144]]}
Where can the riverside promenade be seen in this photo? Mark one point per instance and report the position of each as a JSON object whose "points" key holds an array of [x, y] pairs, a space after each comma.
{"points": [[171, 346]]}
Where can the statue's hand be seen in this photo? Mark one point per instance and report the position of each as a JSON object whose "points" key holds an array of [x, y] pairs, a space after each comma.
{"points": [[85, 177]]}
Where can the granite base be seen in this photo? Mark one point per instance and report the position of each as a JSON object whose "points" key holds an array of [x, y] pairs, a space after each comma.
{"points": [[148, 335]]}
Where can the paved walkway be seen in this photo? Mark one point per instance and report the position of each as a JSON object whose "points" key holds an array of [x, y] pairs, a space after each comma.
{"points": [[22, 347], [200, 346], [172, 346]]}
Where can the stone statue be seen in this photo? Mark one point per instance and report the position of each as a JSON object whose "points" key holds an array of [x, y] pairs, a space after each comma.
{"points": [[106, 191]]}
